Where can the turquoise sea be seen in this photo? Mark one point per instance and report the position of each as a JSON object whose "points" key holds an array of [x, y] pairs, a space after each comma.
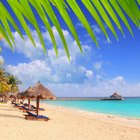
{"points": [[129, 107]]}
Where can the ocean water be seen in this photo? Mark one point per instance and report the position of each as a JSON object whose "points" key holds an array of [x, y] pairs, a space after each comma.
{"points": [[129, 107]]}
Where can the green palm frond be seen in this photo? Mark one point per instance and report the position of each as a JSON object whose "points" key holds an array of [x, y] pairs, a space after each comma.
{"points": [[13, 82], [103, 11]]}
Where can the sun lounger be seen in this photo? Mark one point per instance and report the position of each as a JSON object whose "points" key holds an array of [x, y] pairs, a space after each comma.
{"points": [[25, 104], [17, 105], [32, 116], [12, 102], [41, 109], [24, 109], [33, 107]]}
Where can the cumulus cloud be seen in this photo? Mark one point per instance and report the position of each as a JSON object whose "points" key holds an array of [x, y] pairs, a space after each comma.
{"points": [[42, 71], [63, 77], [50, 69], [33, 53], [1, 60], [70, 83], [96, 29], [97, 65], [79, 24], [118, 80], [89, 74], [93, 90]]}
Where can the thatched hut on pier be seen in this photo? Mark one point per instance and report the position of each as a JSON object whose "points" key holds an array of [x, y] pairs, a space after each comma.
{"points": [[116, 96]]}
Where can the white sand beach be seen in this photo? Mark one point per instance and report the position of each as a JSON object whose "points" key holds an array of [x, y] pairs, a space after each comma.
{"points": [[66, 124]]}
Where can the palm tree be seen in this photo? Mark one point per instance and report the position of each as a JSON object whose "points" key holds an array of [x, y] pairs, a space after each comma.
{"points": [[4, 87], [103, 11], [13, 82], [1, 36], [2, 74]]}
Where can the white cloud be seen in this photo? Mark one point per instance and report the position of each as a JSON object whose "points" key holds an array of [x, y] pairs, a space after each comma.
{"points": [[89, 74], [96, 29], [50, 69], [92, 90], [61, 76], [97, 65], [1, 60], [79, 24], [107, 41], [99, 78], [62, 83], [118, 80], [26, 47]]}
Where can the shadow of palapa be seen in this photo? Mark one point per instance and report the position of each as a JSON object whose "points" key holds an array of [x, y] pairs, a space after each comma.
{"points": [[2, 105], [7, 109], [11, 116]]}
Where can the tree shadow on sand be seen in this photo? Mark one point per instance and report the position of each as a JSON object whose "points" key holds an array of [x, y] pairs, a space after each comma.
{"points": [[10, 116], [7, 109], [2, 105]]}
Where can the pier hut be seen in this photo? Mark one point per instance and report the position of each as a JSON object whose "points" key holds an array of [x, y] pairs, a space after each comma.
{"points": [[116, 96]]}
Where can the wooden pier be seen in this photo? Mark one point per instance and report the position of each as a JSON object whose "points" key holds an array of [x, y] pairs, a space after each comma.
{"points": [[87, 99], [77, 99]]}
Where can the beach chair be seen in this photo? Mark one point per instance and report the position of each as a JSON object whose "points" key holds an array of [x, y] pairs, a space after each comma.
{"points": [[24, 109], [12, 102], [32, 106], [41, 109], [32, 116], [17, 105]]}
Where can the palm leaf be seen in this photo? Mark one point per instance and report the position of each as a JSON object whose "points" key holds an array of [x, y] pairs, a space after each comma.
{"points": [[6, 26], [104, 15], [7, 15], [61, 8], [102, 11], [131, 9], [6, 37], [112, 14], [74, 6], [96, 16], [117, 8], [41, 12], [15, 7], [30, 16], [53, 18]]}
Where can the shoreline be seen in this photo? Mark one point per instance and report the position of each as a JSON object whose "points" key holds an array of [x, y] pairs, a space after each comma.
{"points": [[96, 112], [65, 124], [102, 116]]}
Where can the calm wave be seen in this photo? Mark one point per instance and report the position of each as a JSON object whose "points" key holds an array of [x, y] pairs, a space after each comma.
{"points": [[130, 107]]}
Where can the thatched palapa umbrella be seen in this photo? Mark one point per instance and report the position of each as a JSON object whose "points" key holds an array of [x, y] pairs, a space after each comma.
{"points": [[39, 92], [14, 95], [4, 96], [27, 95]]}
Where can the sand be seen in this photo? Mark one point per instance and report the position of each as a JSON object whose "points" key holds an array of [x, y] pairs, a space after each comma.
{"points": [[66, 124]]}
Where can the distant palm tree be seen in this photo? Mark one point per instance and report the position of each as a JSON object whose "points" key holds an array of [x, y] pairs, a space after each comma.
{"points": [[13, 82], [103, 11], [4, 87], [3, 75], [1, 36]]}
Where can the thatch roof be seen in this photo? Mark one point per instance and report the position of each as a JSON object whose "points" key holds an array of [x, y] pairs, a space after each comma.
{"points": [[14, 95], [20, 95], [39, 91], [3, 95], [116, 95]]}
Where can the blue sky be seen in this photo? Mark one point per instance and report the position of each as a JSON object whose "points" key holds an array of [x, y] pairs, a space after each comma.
{"points": [[113, 67]]}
